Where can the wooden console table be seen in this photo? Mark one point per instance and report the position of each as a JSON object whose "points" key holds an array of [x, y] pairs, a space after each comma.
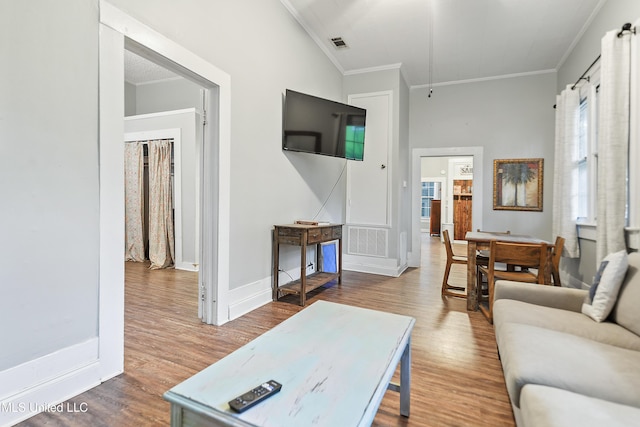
{"points": [[304, 235]]}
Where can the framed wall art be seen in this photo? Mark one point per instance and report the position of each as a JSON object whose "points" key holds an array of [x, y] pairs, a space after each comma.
{"points": [[517, 184]]}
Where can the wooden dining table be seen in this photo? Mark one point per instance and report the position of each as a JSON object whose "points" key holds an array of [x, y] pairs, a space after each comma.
{"points": [[480, 240]]}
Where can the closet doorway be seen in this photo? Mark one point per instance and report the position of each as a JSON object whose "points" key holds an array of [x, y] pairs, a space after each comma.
{"points": [[151, 192]]}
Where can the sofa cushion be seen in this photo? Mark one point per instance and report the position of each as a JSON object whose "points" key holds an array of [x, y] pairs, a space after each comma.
{"points": [[549, 296], [512, 311], [552, 407], [626, 311], [533, 355], [607, 288]]}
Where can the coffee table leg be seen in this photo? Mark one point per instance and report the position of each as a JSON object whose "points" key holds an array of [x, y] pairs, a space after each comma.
{"points": [[405, 380]]}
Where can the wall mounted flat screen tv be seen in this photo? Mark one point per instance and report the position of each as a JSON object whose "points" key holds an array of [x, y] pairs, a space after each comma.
{"points": [[320, 126]]}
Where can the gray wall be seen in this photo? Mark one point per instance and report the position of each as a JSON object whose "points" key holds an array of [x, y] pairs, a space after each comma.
{"points": [[129, 99], [167, 95], [49, 174], [511, 118]]}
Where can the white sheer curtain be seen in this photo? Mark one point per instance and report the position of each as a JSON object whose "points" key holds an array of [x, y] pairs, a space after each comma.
{"points": [[134, 202], [161, 236], [565, 191], [613, 143]]}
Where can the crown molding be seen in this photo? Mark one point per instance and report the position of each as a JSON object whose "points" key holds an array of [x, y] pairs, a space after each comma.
{"points": [[485, 79], [305, 25]]}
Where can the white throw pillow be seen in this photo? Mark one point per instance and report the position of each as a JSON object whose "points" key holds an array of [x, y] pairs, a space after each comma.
{"points": [[606, 293]]}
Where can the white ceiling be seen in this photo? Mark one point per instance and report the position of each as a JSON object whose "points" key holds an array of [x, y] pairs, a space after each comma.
{"points": [[138, 70], [471, 39]]}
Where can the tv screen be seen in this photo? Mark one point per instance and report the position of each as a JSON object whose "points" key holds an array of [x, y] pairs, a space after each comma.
{"points": [[320, 126]]}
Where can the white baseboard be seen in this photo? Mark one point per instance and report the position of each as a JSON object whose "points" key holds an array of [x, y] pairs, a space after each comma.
{"points": [[413, 259], [249, 297], [381, 266], [41, 384], [187, 266]]}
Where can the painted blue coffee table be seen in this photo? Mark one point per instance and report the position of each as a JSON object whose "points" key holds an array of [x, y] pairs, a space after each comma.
{"points": [[334, 362]]}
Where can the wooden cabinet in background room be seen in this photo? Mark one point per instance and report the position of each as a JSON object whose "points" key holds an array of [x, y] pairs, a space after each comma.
{"points": [[462, 207], [434, 220]]}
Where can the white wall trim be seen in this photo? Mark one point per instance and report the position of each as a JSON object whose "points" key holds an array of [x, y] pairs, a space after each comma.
{"points": [[365, 264], [387, 67], [153, 82], [111, 287], [249, 297], [161, 113], [587, 231], [583, 30], [303, 23], [484, 79], [37, 385], [416, 179]]}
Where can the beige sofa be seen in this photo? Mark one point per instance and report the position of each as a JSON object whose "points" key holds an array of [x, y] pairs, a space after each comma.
{"points": [[561, 367]]}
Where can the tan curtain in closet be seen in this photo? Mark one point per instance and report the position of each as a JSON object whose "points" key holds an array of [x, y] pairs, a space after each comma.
{"points": [[161, 235], [134, 202]]}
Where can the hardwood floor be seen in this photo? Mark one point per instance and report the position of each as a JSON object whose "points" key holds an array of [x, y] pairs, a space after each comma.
{"points": [[456, 375]]}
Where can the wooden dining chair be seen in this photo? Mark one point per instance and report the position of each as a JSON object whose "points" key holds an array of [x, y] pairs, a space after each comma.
{"points": [[483, 253], [452, 259], [555, 257], [529, 256]]}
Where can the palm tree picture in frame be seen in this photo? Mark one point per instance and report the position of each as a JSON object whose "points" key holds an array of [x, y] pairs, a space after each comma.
{"points": [[517, 184]]}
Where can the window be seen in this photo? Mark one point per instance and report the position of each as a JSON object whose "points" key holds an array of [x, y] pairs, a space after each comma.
{"points": [[587, 151], [430, 191], [582, 165]]}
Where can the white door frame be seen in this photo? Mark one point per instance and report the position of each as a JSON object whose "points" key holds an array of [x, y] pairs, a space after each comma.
{"points": [[416, 179], [117, 29]]}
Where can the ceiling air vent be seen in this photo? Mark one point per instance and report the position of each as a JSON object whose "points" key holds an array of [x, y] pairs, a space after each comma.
{"points": [[338, 43]]}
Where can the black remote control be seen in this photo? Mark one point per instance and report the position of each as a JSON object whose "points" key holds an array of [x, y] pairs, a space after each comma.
{"points": [[255, 396]]}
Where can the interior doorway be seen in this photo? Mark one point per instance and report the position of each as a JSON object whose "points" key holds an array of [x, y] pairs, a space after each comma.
{"points": [[447, 195], [150, 89], [153, 219], [454, 165], [120, 32]]}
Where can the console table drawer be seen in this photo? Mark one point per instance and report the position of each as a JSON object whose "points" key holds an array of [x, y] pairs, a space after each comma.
{"points": [[336, 232], [290, 240], [289, 236], [318, 235], [286, 231]]}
